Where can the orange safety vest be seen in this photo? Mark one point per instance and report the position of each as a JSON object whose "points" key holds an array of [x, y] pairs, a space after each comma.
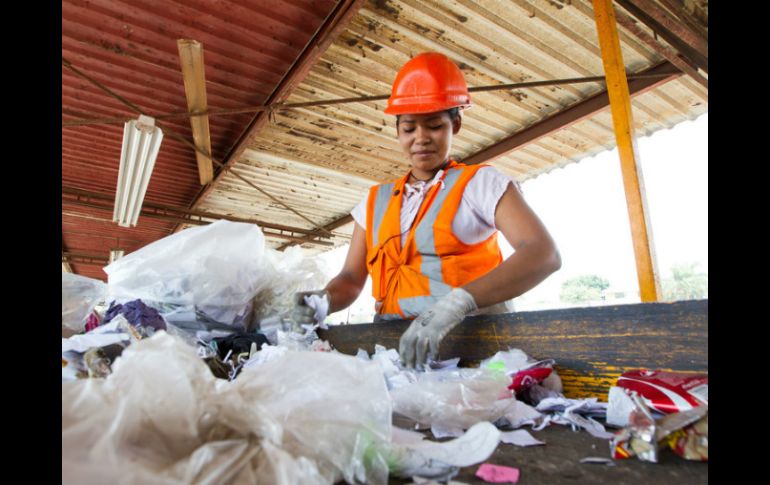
{"points": [[406, 281]]}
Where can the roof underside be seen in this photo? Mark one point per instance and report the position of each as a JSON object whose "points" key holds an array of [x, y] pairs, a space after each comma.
{"points": [[131, 48], [321, 160]]}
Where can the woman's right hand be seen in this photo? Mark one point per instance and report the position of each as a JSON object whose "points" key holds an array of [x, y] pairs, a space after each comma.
{"points": [[302, 313]]}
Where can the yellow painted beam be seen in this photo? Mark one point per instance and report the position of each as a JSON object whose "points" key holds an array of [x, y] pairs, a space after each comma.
{"points": [[191, 60], [623, 122]]}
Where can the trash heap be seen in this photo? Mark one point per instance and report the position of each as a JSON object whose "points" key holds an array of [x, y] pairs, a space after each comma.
{"points": [[193, 372], [659, 409]]}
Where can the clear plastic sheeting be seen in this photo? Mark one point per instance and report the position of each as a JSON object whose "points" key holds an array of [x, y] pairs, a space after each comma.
{"points": [[450, 401], [217, 268], [222, 272], [162, 417], [79, 296], [294, 272], [444, 398], [326, 406]]}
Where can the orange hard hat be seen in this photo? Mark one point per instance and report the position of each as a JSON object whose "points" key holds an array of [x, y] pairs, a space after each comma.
{"points": [[428, 83]]}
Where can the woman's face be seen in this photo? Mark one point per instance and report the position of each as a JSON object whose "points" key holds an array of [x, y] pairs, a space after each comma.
{"points": [[426, 140]]}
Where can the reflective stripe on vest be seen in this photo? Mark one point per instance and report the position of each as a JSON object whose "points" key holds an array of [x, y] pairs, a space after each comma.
{"points": [[407, 280], [430, 265], [384, 193], [424, 240]]}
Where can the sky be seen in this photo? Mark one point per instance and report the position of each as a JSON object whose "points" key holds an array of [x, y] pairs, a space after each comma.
{"points": [[583, 206]]}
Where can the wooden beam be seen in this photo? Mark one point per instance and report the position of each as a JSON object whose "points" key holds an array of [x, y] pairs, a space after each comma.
{"points": [[592, 346], [83, 258], [668, 53], [191, 60], [329, 227], [332, 27], [574, 114], [695, 16], [179, 215], [623, 122], [688, 43]]}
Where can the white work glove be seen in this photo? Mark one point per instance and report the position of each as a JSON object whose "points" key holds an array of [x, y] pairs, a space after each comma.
{"points": [[310, 307], [422, 338]]}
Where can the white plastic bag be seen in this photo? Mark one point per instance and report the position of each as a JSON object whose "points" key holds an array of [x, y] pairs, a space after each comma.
{"points": [[216, 268], [79, 296], [162, 417], [223, 269], [442, 460], [450, 401], [328, 407], [293, 271], [143, 423]]}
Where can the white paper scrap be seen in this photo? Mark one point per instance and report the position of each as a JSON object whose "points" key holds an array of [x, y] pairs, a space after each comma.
{"points": [[428, 481], [593, 427], [519, 437], [81, 343], [619, 407], [521, 414], [320, 304]]}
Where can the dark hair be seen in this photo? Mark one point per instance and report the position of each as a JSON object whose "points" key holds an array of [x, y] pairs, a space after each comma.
{"points": [[454, 113]]}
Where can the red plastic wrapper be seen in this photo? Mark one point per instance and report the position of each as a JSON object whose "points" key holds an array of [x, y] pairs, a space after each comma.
{"points": [[533, 374], [667, 392]]}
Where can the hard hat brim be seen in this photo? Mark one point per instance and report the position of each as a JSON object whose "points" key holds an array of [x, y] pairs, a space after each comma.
{"points": [[426, 104]]}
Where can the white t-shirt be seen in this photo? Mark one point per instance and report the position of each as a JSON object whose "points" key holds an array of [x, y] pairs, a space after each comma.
{"points": [[475, 218]]}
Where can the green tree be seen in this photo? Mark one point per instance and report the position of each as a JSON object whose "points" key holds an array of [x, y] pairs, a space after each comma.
{"points": [[686, 283], [583, 288]]}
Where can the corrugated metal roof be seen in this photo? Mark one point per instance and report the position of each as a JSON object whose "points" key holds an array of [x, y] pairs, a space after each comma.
{"points": [[317, 192], [493, 43], [131, 48], [321, 160]]}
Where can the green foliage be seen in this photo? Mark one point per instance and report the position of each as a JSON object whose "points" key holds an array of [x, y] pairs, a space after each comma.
{"points": [[583, 288], [686, 283]]}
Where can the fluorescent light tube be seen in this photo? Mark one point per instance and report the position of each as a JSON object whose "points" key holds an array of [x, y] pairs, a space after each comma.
{"points": [[141, 143]]}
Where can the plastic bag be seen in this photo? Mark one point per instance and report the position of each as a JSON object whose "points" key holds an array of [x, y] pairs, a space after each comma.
{"points": [[162, 417], [450, 401], [441, 461], [294, 271], [329, 407], [221, 272], [79, 296], [217, 268]]}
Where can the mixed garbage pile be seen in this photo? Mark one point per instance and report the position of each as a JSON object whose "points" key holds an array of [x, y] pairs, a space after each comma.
{"points": [[195, 373]]}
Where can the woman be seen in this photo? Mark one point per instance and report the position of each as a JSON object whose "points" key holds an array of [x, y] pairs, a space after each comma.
{"points": [[429, 240]]}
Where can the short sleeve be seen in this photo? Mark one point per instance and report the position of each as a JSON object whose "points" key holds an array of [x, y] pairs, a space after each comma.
{"points": [[484, 191], [359, 212]]}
